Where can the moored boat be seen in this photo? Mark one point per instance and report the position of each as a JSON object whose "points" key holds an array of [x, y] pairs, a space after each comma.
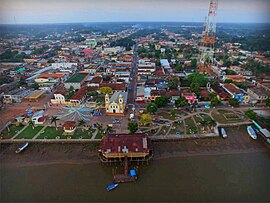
{"points": [[111, 187], [22, 147], [223, 133], [251, 132]]}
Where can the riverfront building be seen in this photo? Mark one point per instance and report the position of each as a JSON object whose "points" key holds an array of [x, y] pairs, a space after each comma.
{"points": [[116, 147]]}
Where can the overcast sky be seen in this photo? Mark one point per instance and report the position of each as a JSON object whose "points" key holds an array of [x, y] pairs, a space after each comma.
{"points": [[65, 11]]}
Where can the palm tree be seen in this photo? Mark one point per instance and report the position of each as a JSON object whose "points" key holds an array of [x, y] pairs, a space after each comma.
{"points": [[211, 122], [90, 129], [81, 123], [53, 120], [99, 127], [31, 123], [108, 129]]}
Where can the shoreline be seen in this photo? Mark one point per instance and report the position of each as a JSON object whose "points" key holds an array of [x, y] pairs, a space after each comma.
{"points": [[14, 164], [86, 153]]}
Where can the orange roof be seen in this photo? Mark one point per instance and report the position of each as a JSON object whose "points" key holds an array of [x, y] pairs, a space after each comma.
{"points": [[51, 75]]}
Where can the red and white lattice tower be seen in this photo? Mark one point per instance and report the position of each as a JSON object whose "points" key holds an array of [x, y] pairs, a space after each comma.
{"points": [[209, 34]]}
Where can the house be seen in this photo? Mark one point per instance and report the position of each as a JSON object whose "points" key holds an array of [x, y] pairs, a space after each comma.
{"points": [[69, 127], [16, 95], [50, 79], [76, 80], [259, 94], [59, 98], [190, 96], [38, 118], [116, 87], [91, 69], [221, 93], [234, 78], [79, 96], [233, 91], [116, 104]]}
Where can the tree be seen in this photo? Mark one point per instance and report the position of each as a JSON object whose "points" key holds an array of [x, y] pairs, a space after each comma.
{"points": [[250, 114], [198, 78], [173, 113], [93, 93], [181, 102], [145, 119], [132, 127], [35, 85], [212, 95], [204, 123], [194, 63], [267, 102], [161, 101], [233, 102], [106, 90], [195, 87], [215, 101], [91, 130], [151, 107], [173, 83], [54, 119], [109, 129], [31, 123], [179, 67], [71, 88], [228, 81], [81, 123]]}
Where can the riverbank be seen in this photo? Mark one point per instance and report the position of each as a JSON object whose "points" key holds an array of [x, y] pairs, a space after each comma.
{"points": [[83, 153]]}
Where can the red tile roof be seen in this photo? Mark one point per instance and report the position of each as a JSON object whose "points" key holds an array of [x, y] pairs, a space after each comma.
{"points": [[134, 143]]}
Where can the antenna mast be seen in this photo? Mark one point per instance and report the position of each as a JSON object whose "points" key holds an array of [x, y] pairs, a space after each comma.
{"points": [[209, 36]]}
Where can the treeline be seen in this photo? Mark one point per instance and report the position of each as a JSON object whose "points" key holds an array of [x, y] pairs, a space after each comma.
{"points": [[126, 42]]}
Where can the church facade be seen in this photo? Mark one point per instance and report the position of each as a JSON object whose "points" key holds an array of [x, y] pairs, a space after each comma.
{"points": [[116, 104]]}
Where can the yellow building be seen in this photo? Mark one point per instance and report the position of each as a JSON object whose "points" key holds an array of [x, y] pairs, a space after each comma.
{"points": [[116, 104]]}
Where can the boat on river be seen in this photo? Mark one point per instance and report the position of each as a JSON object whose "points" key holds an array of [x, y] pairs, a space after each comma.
{"points": [[251, 132], [112, 186], [223, 133], [22, 147]]}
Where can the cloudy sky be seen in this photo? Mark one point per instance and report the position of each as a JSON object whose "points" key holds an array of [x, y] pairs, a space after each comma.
{"points": [[65, 11]]}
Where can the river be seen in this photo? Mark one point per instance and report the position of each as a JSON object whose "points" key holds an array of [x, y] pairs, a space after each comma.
{"points": [[236, 177]]}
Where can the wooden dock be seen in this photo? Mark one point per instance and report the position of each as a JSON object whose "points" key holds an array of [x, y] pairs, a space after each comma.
{"points": [[126, 177]]}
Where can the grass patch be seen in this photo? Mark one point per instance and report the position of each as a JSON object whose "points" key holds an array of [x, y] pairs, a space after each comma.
{"points": [[190, 126], [13, 130], [177, 128], [164, 129], [80, 134], [99, 135], [29, 132], [51, 133]]}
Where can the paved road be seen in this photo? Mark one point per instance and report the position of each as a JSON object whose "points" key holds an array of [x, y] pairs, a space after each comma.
{"points": [[132, 88]]}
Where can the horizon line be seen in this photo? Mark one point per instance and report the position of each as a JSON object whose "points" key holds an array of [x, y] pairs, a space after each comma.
{"points": [[57, 23]]}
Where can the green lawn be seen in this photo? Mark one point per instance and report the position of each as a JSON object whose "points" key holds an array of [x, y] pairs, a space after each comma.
{"points": [[164, 130], [190, 126], [29, 132], [79, 134], [51, 133], [13, 130], [99, 135], [177, 127]]}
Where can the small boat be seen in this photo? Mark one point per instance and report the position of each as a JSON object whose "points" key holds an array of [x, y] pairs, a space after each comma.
{"points": [[223, 133], [22, 147], [251, 132], [111, 187]]}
